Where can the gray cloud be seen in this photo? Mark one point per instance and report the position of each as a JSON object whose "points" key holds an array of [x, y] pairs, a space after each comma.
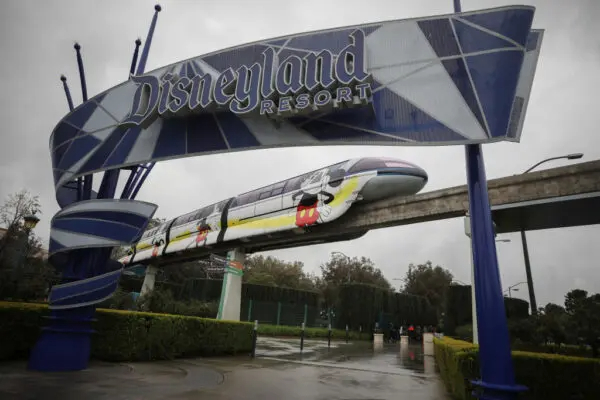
{"points": [[36, 44]]}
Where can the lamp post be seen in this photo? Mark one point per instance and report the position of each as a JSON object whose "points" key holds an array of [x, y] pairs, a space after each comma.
{"points": [[511, 288], [532, 301], [30, 221]]}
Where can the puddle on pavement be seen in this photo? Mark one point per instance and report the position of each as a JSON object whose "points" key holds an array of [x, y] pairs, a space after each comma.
{"points": [[387, 358]]}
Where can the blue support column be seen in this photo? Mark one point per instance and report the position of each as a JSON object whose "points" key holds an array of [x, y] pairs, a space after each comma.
{"points": [[497, 373], [496, 367], [64, 344]]}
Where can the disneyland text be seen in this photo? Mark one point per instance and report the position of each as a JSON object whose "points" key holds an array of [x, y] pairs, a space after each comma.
{"points": [[272, 86]]}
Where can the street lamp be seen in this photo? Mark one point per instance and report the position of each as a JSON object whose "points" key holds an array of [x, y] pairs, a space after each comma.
{"points": [[532, 301], [30, 221], [574, 156], [511, 288]]}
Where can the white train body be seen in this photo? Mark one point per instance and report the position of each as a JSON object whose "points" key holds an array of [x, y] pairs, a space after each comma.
{"points": [[314, 198]]}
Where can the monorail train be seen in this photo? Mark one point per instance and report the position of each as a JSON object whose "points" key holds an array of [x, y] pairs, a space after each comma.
{"points": [[317, 197]]}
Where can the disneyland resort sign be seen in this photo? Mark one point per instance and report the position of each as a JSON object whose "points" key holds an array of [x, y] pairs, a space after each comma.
{"points": [[277, 87]]}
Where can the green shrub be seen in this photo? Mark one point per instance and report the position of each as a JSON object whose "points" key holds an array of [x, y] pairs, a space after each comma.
{"points": [[547, 376], [464, 332], [129, 336], [163, 302]]}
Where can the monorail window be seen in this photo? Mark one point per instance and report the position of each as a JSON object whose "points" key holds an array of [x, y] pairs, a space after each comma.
{"points": [[277, 189], [265, 193], [294, 183], [164, 226], [247, 198], [366, 164]]}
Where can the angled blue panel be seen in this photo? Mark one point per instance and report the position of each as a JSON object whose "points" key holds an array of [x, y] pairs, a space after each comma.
{"points": [[473, 40], [125, 218], [183, 69], [278, 42], [66, 195], [514, 24], [98, 98], [96, 161], [397, 116], [189, 71], [440, 36], [203, 134], [103, 229], [335, 41], [120, 154], [326, 132], [358, 117], [88, 298], [54, 246], [515, 116], [171, 141], [58, 153], [532, 41], [88, 285], [196, 67], [236, 132], [495, 77], [62, 133], [80, 116], [79, 149], [458, 72], [236, 58], [285, 53]]}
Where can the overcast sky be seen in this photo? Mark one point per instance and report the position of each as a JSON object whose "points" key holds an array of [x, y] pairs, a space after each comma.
{"points": [[563, 117]]}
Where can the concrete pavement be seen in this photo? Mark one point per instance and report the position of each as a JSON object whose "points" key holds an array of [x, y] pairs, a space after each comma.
{"points": [[345, 372]]}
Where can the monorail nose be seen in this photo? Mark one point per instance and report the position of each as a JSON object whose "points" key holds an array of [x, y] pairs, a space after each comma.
{"points": [[392, 183]]}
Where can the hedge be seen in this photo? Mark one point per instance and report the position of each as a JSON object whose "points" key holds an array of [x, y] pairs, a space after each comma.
{"points": [[361, 305], [547, 376], [129, 336], [137, 336], [458, 310]]}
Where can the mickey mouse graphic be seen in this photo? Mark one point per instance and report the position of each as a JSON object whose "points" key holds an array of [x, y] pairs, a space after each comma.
{"points": [[157, 245], [313, 206], [203, 230], [208, 224]]}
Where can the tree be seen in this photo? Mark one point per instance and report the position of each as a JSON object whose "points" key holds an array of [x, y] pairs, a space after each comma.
{"points": [[12, 213], [552, 323], [24, 273], [341, 269], [261, 270], [428, 281], [584, 312]]}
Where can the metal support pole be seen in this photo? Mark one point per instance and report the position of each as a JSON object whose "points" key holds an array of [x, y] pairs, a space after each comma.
{"points": [[278, 312], [302, 338], [329, 337], [532, 301], [254, 338], [347, 333], [250, 310]]}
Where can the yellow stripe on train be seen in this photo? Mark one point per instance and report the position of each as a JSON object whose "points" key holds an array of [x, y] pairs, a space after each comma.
{"points": [[290, 220]]}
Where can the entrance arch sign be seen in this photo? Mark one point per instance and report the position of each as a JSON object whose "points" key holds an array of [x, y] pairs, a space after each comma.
{"points": [[456, 79]]}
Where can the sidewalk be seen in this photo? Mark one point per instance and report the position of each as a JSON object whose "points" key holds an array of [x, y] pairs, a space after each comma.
{"points": [[342, 373]]}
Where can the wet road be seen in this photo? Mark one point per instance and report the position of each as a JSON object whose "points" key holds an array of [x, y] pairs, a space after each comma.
{"points": [[348, 372]]}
